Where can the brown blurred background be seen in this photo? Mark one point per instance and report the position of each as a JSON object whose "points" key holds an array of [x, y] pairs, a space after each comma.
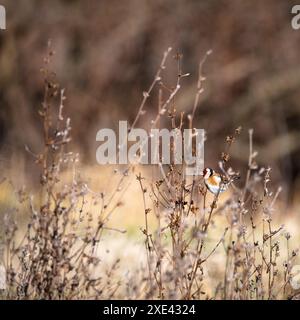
{"points": [[107, 53]]}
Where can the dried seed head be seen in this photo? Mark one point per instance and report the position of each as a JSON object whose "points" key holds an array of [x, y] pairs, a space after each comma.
{"points": [[225, 156]]}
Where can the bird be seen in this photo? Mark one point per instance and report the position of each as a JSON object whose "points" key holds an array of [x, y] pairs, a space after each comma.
{"points": [[214, 182]]}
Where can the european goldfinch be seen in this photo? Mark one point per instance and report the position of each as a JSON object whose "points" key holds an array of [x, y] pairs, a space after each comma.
{"points": [[214, 181]]}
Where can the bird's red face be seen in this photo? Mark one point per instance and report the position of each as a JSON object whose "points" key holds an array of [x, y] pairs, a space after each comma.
{"points": [[207, 172]]}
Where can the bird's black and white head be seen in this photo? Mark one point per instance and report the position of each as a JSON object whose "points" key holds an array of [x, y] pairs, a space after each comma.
{"points": [[207, 172]]}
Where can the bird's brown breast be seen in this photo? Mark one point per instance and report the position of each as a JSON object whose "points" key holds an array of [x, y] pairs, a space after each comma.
{"points": [[214, 180]]}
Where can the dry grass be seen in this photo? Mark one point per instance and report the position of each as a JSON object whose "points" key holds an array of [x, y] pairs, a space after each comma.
{"points": [[181, 242]]}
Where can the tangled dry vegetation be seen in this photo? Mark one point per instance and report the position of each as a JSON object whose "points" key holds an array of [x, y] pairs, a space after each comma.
{"points": [[57, 256]]}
